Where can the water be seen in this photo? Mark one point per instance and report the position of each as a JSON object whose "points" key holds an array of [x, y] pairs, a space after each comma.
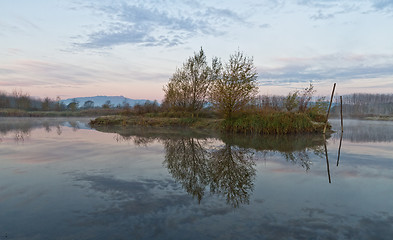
{"points": [[59, 179]]}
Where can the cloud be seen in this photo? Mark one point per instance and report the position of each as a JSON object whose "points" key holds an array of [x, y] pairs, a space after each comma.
{"points": [[287, 75], [264, 25], [329, 9], [328, 67], [345, 7], [143, 203], [321, 16], [320, 3], [147, 24], [383, 5], [157, 209], [25, 73]]}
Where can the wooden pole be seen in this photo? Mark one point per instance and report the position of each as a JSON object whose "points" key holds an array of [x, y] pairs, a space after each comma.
{"points": [[339, 148], [327, 160], [341, 111], [342, 129], [327, 116]]}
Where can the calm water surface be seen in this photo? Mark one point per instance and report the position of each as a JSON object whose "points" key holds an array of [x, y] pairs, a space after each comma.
{"points": [[59, 179]]}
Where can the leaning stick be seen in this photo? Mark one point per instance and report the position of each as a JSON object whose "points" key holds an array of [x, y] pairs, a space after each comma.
{"points": [[327, 116]]}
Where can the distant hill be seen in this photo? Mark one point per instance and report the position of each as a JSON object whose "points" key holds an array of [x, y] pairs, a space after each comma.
{"points": [[100, 100]]}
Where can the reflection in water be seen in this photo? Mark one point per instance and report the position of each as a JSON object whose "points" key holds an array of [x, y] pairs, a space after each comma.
{"points": [[299, 157], [228, 171], [22, 127], [294, 148], [339, 148], [137, 140], [187, 161], [327, 160], [365, 130], [232, 174], [75, 125], [59, 131], [102, 190], [226, 167], [20, 135]]}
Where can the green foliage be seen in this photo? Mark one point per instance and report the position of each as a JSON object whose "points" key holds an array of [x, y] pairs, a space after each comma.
{"points": [[317, 111], [46, 104], [291, 102], [188, 86], [88, 104], [73, 106], [235, 84], [273, 123], [107, 105]]}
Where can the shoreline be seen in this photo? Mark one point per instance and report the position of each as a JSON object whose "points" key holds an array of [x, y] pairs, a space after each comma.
{"points": [[272, 124]]}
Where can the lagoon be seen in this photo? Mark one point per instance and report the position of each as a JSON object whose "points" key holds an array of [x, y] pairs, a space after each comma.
{"points": [[60, 179]]}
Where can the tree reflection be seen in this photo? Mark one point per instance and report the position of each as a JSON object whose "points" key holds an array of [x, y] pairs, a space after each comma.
{"points": [[20, 126], [137, 140], [300, 157], [303, 157], [47, 126], [59, 131], [232, 174], [187, 161], [195, 160], [21, 135], [227, 171], [74, 125], [297, 149]]}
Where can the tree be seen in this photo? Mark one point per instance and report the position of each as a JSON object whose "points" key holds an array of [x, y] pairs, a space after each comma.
{"points": [[187, 88], [305, 98], [73, 105], [88, 104], [235, 84], [4, 100], [22, 100], [291, 101], [59, 106], [107, 104], [46, 104]]}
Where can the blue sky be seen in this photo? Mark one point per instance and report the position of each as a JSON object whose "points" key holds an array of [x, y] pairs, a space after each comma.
{"points": [[131, 48]]}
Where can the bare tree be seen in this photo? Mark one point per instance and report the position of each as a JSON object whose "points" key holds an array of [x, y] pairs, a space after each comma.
{"points": [[187, 88], [234, 85], [46, 104], [107, 104], [22, 100], [305, 97]]}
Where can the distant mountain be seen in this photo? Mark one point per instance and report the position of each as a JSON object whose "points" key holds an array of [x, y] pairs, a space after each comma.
{"points": [[100, 100]]}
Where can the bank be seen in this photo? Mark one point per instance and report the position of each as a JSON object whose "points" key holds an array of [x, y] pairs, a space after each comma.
{"points": [[278, 123]]}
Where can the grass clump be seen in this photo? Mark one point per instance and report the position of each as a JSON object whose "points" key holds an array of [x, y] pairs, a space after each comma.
{"points": [[145, 121], [271, 123]]}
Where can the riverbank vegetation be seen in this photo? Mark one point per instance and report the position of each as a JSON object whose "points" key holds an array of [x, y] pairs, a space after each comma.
{"points": [[224, 96], [220, 96]]}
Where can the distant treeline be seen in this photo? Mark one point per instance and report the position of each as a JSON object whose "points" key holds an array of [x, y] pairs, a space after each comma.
{"points": [[299, 101], [23, 101], [364, 105]]}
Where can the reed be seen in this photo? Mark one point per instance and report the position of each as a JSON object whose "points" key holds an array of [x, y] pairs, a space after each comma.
{"points": [[273, 123]]}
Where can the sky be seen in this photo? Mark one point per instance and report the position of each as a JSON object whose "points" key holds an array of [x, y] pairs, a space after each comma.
{"points": [[75, 48]]}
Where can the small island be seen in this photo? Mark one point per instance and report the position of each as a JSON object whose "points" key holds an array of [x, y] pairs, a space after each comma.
{"points": [[223, 96]]}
